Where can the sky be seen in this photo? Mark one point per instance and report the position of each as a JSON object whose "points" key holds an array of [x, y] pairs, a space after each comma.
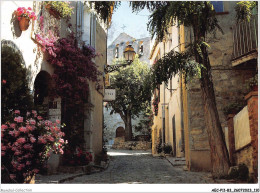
{"points": [[135, 23]]}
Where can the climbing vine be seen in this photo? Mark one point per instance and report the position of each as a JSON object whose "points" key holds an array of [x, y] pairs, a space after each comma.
{"points": [[173, 63], [74, 67]]}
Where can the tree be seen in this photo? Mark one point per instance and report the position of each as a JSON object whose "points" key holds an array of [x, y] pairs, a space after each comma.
{"points": [[145, 124], [133, 93], [200, 16], [14, 85]]}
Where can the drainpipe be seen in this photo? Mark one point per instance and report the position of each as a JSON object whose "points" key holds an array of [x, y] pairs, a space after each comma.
{"points": [[163, 105]]}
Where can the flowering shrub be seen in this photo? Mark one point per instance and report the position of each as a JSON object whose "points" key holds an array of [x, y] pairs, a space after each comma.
{"points": [[79, 158], [26, 144], [14, 84], [47, 43], [74, 67], [27, 13], [155, 105]]}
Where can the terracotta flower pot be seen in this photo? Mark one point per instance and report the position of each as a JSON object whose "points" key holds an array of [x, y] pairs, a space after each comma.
{"points": [[24, 23]]}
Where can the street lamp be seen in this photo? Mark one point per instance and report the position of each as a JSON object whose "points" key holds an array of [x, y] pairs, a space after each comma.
{"points": [[129, 55]]}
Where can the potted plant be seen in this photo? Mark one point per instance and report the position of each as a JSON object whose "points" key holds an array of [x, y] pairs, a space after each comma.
{"points": [[76, 158], [59, 9], [26, 145], [24, 16], [252, 83], [167, 149]]}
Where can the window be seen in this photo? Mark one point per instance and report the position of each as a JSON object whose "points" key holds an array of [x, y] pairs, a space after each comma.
{"points": [[93, 31], [218, 6], [86, 26], [89, 28], [53, 105], [141, 48], [117, 51]]}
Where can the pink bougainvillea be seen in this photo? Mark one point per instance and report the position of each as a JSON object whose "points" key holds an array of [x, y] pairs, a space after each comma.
{"points": [[26, 145]]}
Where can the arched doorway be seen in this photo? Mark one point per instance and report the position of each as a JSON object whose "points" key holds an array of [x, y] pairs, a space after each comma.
{"points": [[41, 87], [120, 132], [47, 107]]}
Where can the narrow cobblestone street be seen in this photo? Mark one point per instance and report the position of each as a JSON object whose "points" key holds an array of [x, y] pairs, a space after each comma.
{"points": [[140, 167]]}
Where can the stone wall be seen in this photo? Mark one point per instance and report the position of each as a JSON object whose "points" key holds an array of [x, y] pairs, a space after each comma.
{"points": [[245, 156], [120, 143], [229, 85], [252, 103], [112, 122]]}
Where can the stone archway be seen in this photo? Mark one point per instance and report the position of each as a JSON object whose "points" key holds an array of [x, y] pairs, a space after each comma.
{"points": [[120, 132]]}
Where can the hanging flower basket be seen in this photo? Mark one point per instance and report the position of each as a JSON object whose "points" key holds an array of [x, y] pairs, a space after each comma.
{"points": [[24, 23], [53, 12], [59, 9], [24, 16]]}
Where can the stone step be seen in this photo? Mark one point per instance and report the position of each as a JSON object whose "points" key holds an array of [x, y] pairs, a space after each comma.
{"points": [[176, 161]]}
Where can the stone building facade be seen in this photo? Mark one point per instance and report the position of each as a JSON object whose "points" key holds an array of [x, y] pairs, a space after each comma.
{"points": [[83, 20], [168, 121], [229, 86], [115, 51], [230, 73]]}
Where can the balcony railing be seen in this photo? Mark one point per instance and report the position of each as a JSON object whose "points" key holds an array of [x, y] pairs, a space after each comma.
{"points": [[245, 38]]}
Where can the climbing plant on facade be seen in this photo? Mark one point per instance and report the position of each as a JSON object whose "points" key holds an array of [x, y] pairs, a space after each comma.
{"points": [[74, 68]]}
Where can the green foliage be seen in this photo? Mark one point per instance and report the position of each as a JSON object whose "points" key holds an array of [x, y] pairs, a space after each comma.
{"points": [[159, 147], [145, 124], [173, 63], [14, 84], [167, 148], [239, 172], [150, 5], [133, 88], [62, 8], [105, 8], [244, 10], [251, 82], [196, 14], [234, 107], [155, 104]]}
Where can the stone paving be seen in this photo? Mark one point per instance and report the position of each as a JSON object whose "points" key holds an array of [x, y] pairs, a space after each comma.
{"points": [[140, 167]]}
